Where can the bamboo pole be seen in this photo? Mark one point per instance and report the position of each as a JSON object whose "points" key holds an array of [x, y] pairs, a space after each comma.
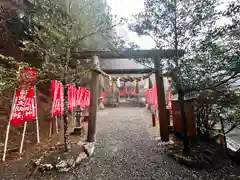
{"points": [[37, 122], [8, 127], [23, 136]]}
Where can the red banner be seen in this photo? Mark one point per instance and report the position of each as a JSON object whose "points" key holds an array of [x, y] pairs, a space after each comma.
{"points": [[125, 90], [78, 94], [170, 100], [57, 98], [24, 106], [155, 103], [72, 97], [150, 96], [81, 97], [61, 98], [87, 98], [102, 94]]}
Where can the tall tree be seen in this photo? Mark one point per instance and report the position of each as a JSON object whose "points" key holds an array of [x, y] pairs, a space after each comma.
{"points": [[213, 73], [55, 30], [176, 24]]}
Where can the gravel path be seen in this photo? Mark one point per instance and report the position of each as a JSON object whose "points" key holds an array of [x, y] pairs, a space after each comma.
{"points": [[126, 150]]}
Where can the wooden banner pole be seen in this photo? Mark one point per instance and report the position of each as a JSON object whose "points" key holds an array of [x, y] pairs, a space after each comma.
{"points": [[6, 142], [56, 121], [50, 128], [23, 136], [8, 127], [73, 119], [37, 122]]}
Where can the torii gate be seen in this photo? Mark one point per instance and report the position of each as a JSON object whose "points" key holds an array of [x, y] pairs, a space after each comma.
{"points": [[156, 55]]}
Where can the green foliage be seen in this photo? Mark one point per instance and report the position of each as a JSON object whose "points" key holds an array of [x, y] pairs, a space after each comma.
{"points": [[211, 60], [160, 19], [211, 53], [52, 30]]}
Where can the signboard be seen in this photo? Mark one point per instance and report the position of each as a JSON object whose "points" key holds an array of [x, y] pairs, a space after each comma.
{"points": [[24, 106]]}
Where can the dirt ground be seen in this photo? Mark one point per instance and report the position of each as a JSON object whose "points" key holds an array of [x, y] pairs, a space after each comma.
{"points": [[20, 167], [16, 164], [15, 134]]}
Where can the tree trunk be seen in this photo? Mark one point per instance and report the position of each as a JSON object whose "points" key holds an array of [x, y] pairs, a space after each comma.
{"points": [[184, 121], [65, 119], [178, 83], [224, 137], [65, 131]]}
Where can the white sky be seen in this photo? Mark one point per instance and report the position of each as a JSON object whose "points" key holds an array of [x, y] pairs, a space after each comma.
{"points": [[127, 8]]}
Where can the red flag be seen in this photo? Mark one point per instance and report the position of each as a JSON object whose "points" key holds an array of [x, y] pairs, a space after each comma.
{"points": [[170, 100], [125, 90], [77, 92], [71, 97], [82, 94], [54, 93], [58, 98], [24, 106], [61, 98], [87, 98], [30, 106], [155, 102], [151, 96]]}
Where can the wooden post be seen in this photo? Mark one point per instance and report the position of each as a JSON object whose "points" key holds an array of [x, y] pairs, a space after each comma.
{"points": [[93, 102], [23, 136], [153, 119], [162, 112]]}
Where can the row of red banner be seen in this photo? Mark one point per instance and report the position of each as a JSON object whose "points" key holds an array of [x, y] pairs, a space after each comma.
{"points": [[24, 105], [151, 97], [76, 97]]}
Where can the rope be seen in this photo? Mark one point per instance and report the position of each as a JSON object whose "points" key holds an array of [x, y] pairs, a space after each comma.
{"points": [[122, 78]]}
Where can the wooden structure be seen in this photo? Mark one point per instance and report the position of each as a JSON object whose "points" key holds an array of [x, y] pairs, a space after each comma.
{"points": [[156, 55], [128, 71], [177, 118], [129, 54], [93, 102]]}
